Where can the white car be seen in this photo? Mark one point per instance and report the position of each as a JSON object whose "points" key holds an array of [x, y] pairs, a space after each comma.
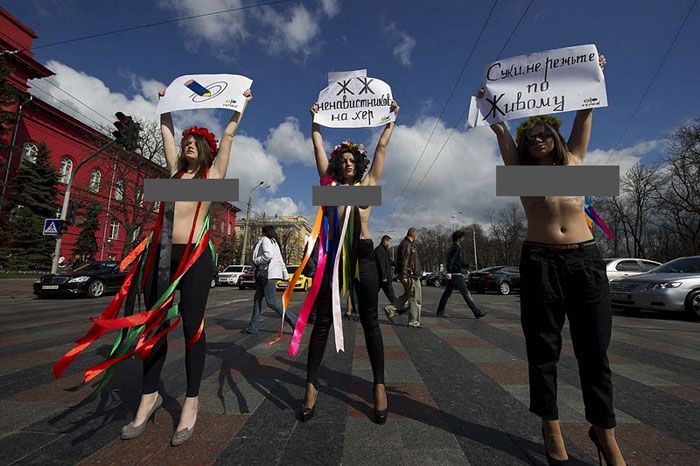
{"points": [[617, 268], [231, 275]]}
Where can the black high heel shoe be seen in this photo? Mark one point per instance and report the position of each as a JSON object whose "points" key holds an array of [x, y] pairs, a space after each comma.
{"points": [[601, 453], [305, 413], [551, 461], [380, 416]]}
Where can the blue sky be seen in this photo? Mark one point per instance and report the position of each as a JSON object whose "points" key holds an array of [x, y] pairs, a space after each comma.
{"points": [[417, 47]]}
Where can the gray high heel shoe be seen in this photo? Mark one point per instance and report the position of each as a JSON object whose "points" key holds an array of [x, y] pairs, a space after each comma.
{"points": [[181, 436], [130, 431]]}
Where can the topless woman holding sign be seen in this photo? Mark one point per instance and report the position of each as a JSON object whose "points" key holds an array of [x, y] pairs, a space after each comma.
{"points": [[563, 274], [346, 167], [198, 158]]}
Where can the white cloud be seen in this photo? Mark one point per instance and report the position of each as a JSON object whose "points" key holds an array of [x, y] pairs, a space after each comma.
{"points": [[330, 7], [402, 44], [279, 206], [250, 163], [222, 31], [462, 179], [288, 145], [94, 93], [293, 31]]}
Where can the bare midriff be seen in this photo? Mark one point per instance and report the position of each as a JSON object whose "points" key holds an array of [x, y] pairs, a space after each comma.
{"points": [[556, 219]]}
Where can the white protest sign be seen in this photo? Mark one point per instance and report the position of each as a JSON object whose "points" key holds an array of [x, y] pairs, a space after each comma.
{"points": [[553, 81], [353, 100], [198, 91]]}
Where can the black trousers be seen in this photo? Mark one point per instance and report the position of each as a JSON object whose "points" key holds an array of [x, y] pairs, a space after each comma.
{"points": [[367, 295], [194, 291], [458, 282], [556, 283], [388, 289]]}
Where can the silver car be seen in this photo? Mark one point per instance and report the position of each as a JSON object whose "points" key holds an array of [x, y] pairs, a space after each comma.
{"points": [[620, 267], [673, 286], [231, 275]]}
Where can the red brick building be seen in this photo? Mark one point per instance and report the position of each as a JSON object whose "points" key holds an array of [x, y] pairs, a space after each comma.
{"points": [[113, 179]]}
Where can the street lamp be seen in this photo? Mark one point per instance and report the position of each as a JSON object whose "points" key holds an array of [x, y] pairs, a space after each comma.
{"points": [[247, 222]]}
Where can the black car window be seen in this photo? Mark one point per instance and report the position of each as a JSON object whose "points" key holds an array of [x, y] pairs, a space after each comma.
{"points": [[628, 266], [681, 265], [648, 265]]}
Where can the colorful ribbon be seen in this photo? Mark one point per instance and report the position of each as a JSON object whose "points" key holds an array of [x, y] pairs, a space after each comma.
{"points": [[142, 326], [593, 217]]}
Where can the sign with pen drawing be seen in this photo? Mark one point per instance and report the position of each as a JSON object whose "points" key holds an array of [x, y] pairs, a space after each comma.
{"points": [[353, 100], [199, 91], [553, 81]]}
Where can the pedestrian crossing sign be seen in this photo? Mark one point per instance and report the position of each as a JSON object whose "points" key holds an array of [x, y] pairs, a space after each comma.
{"points": [[52, 227]]}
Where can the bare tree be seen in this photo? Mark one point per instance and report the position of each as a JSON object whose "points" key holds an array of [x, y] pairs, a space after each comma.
{"points": [[508, 228]]}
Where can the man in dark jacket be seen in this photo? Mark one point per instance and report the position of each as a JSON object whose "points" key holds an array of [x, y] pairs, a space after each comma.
{"points": [[409, 270], [455, 265], [384, 263]]}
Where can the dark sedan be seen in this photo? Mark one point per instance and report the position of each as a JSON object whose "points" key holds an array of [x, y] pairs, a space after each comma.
{"points": [[93, 279], [247, 280], [501, 279]]}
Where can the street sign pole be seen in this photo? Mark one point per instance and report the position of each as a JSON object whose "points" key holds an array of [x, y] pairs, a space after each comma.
{"points": [[66, 200]]}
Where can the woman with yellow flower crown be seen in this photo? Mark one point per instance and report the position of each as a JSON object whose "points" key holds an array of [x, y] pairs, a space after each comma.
{"points": [[562, 274], [346, 167]]}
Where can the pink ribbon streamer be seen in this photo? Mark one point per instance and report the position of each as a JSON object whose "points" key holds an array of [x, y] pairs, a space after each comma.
{"points": [[310, 297]]}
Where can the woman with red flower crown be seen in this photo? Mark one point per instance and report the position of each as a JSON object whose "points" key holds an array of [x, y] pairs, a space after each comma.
{"points": [[198, 158]]}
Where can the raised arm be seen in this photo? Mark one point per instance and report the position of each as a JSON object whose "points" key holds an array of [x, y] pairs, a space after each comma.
{"points": [[169, 145], [581, 129], [220, 164], [375, 172], [509, 152], [317, 139]]}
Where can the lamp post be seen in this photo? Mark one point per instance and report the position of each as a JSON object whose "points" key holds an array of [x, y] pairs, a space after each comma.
{"points": [[247, 222]]}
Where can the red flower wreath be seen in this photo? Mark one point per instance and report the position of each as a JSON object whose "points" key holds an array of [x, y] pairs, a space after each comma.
{"points": [[211, 140]]}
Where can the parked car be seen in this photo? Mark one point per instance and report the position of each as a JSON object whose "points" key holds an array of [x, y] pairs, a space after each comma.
{"points": [[434, 279], [673, 286], [625, 267], [232, 274], [502, 279], [94, 279], [247, 280], [303, 283]]}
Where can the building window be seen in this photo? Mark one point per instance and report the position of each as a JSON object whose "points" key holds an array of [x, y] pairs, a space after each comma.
{"points": [[29, 152], [114, 230], [119, 190], [95, 180], [66, 170], [229, 229], [139, 196], [137, 232], [156, 206]]}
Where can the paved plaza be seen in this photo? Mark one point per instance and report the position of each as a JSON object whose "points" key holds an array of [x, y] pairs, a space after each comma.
{"points": [[457, 391]]}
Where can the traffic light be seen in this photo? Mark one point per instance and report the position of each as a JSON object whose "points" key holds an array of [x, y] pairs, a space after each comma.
{"points": [[72, 214], [127, 133]]}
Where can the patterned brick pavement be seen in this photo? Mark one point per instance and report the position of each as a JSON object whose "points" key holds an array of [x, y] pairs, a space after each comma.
{"points": [[457, 391]]}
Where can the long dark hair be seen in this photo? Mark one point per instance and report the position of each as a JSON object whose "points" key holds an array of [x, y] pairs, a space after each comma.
{"points": [[560, 151], [335, 164], [204, 156], [270, 232]]}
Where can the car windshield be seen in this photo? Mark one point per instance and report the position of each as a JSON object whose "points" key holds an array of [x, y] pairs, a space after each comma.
{"points": [[681, 265], [233, 268], [96, 266]]}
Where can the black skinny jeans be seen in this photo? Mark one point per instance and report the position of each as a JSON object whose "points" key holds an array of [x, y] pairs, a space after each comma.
{"points": [[194, 291], [557, 283], [367, 295]]}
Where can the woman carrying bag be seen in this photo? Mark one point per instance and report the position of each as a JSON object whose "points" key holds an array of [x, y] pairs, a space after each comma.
{"points": [[268, 268]]}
